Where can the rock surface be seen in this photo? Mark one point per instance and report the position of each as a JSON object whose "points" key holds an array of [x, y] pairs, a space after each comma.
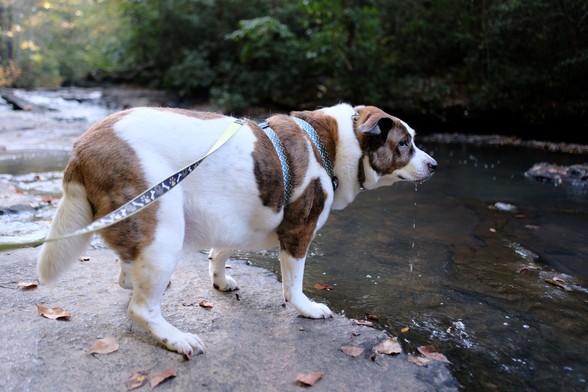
{"points": [[253, 341]]}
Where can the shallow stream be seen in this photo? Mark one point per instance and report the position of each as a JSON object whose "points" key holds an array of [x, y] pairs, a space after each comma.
{"points": [[489, 267]]}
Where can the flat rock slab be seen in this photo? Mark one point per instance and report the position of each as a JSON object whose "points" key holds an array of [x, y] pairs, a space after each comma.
{"points": [[253, 341]]}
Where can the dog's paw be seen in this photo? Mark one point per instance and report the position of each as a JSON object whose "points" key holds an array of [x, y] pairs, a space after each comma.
{"points": [[185, 343], [229, 284], [310, 309]]}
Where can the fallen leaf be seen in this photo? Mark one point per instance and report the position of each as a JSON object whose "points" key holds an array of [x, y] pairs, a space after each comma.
{"points": [[372, 317], [405, 330], [429, 352], [105, 345], [320, 286], [559, 283], [363, 322], [421, 361], [137, 380], [389, 346], [28, 285], [205, 304], [53, 313], [352, 351], [309, 379], [161, 376]]}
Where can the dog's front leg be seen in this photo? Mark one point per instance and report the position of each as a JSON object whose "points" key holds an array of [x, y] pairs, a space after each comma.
{"points": [[292, 278]]}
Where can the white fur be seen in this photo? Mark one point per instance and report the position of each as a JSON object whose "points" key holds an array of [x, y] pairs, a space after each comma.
{"points": [[73, 212]]}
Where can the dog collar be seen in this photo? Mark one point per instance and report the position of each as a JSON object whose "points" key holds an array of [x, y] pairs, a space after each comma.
{"points": [[271, 134], [327, 163]]}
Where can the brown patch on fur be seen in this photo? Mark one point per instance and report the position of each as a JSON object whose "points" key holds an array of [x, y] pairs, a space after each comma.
{"points": [[327, 129], [384, 151], [300, 219], [193, 113], [112, 175]]}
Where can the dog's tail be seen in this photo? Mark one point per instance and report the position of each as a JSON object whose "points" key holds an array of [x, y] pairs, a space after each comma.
{"points": [[74, 212]]}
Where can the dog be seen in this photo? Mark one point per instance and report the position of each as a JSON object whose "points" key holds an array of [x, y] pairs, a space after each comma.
{"points": [[235, 199]]}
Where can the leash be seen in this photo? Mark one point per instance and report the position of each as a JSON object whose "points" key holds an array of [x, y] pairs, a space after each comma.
{"points": [[138, 203]]}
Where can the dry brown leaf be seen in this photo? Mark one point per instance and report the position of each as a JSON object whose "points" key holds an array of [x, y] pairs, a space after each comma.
{"points": [[309, 379], [363, 322], [205, 304], [389, 346], [53, 313], [559, 282], [28, 285], [105, 345], [372, 317], [320, 286], [162, 376], [429, 352], [352, 351], [421, 361], [137, 380]]}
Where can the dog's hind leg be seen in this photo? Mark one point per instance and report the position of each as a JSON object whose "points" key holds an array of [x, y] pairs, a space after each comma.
{"points": [[220, 280], [292, 278], [152, 271]]}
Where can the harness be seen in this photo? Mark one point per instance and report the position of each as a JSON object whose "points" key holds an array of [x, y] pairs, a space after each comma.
{"points": [[286, 170]]}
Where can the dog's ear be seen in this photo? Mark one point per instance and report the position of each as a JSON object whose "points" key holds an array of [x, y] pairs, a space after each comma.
{"points": [[377, 126]]}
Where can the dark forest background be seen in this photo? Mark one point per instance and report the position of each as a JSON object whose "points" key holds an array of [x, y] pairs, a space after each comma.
{"points": [[514, 66]]}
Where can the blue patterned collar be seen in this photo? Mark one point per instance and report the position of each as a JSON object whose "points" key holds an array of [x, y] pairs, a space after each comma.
{"points": [[327, 163]]}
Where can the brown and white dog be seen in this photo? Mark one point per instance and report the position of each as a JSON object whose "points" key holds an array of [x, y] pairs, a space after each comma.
{"points": [[233, 200]]}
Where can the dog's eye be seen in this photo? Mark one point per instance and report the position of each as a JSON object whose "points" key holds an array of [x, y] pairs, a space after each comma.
{"points": [[403, 144]]}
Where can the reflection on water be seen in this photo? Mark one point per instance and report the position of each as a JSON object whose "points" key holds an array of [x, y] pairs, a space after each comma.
{"points": [[465, 274]]}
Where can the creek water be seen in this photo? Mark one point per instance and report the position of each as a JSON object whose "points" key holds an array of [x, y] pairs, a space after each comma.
{"points": [[464, 261], [487, 266]]}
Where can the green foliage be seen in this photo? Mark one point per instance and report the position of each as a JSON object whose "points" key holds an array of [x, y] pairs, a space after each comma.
{"points": [[417, 57]]}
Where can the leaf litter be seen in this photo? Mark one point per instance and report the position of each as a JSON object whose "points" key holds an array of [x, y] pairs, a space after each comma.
{"points": [[352, 351], [390, 346], [105, 345], [28, 285], [309, 379], [53, 313], [431, 353]]}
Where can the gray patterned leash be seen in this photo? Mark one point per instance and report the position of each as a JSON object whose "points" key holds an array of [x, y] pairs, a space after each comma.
{"points": [[138, 203]]}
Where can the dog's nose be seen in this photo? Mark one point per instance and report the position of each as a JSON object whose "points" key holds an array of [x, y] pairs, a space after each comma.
{"points": [[432, 165]]}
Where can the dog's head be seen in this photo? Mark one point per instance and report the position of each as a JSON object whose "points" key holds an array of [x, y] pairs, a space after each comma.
{"points": [[389, 152]]}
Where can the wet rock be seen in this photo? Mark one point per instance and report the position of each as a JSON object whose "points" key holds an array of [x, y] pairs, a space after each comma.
{"points": [[574, 175]]}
